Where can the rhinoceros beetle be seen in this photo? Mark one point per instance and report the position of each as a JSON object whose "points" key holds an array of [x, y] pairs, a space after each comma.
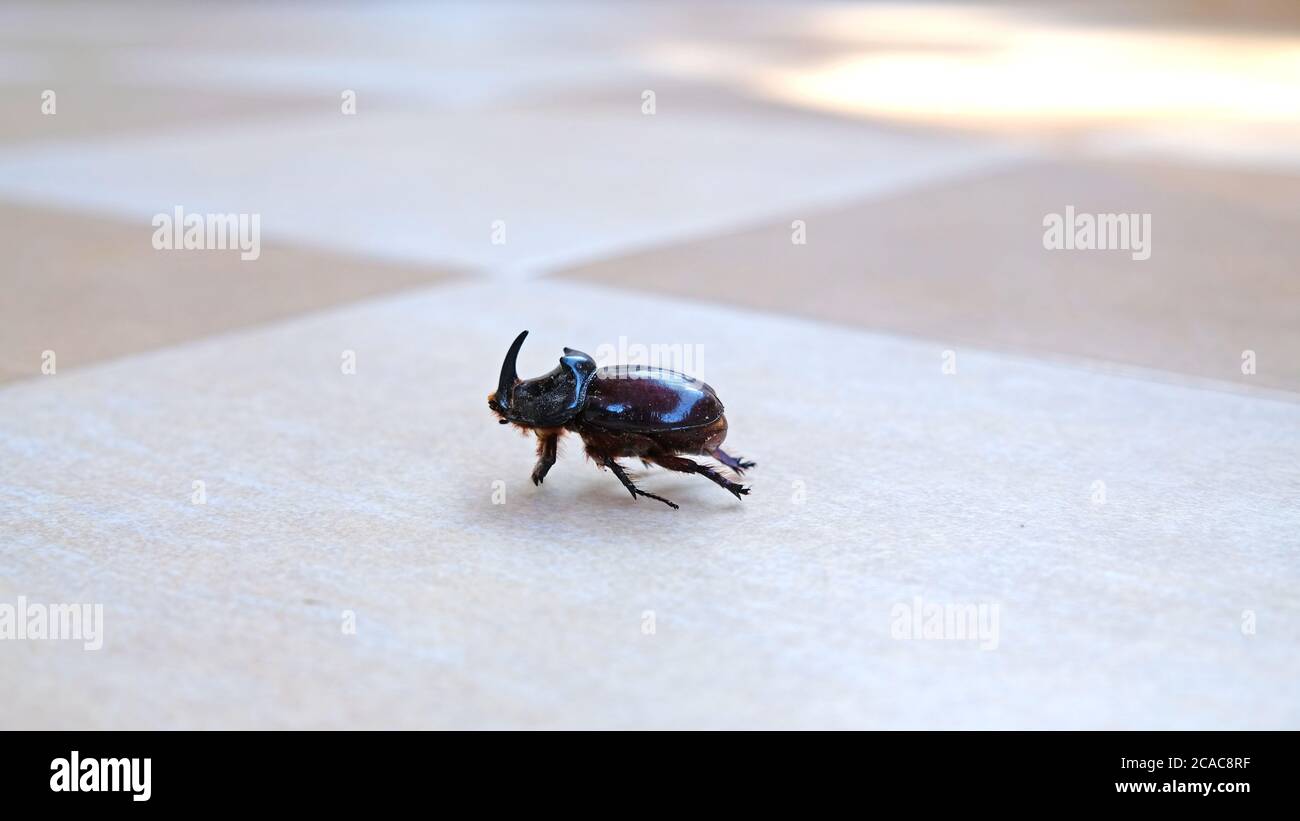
{"points": [[652, 414]]}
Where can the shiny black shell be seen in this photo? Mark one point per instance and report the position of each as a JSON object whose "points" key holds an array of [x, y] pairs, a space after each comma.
{"points": [[638, 398]]}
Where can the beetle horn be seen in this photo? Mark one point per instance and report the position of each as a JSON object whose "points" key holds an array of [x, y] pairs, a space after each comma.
{"points": [[508, 373]]}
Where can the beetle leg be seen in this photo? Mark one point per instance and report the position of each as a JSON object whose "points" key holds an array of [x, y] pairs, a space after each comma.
{"points": [[546, 447], [736, 463], [627, 483], [684, 465]]}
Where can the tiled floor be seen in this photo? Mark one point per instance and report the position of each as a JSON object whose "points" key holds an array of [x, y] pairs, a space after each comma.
{"points": [[963, 261], [940, 407], [88, 289]]}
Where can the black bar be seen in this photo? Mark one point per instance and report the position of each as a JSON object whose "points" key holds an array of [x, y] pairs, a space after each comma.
{"points": [[328, 770]]}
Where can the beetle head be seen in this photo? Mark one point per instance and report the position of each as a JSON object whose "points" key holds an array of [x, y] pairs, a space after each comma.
{"points": [[549, 400]]}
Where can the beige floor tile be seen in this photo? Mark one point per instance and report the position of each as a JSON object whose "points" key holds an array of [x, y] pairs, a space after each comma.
{"points": [[965, 262], [92, 289], [515, 191], [95, 110], [879, 480]]}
